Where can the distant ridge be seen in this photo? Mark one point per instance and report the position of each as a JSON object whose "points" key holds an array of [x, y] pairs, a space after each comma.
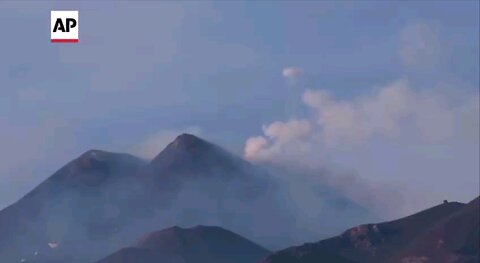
{"points": [[456, 238], [200, 244], [413, 238]]}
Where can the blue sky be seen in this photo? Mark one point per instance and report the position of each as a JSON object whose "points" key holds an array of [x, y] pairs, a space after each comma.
{"points": [[145, 71]]}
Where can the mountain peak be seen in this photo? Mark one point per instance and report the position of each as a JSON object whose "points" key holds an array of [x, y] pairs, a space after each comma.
{"points": [[94, 167], [88, 172], [185, 147], [98, 159], [93, 158], [193, 156], [188, 148], [196, 244], [178, 239], [188, 141]]}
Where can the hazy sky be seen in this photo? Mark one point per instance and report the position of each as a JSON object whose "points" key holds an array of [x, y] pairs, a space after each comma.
{"points": [[387, 90]]}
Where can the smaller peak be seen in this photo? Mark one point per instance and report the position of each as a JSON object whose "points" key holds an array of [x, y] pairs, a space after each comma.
{"points": [[93, 159], [95, 156], [166, 236], [205, 227], [169, 230], [94, 153], [98, 158], [174, 228], [193, 228]]}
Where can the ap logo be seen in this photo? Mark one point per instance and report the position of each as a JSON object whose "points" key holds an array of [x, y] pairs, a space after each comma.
{"points": [[64, 26]]}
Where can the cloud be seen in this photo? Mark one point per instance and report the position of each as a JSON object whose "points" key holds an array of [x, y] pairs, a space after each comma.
{"points": [[393, 109], [381, 113], [154, 143], [254, 148], [53, 245], [292, 72], [420, 45], [292, 75], [286, 131], [283, 135], [396, 133]]}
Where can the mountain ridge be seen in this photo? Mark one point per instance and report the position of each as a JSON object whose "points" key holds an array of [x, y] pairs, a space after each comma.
{"points": [[100, 200], [400, 240], [199, 244]]}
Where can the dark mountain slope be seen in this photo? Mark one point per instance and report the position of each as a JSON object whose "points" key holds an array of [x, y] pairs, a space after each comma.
{"points": [[456, 238], [374, 242], [201, 244], [305, 254], [188, 153], [73, 203], [191, 158]]}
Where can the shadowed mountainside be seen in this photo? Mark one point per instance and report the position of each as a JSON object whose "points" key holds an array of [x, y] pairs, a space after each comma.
{"points": [[456, 238], [74, 196], [445, 233], [200, 244]]}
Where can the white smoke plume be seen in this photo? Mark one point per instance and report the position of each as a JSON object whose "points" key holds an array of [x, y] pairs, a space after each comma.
{"points": [[394, 134], [292, 72]]}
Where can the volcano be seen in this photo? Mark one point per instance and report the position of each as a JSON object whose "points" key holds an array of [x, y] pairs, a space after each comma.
{"points": [[100, 201]]}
